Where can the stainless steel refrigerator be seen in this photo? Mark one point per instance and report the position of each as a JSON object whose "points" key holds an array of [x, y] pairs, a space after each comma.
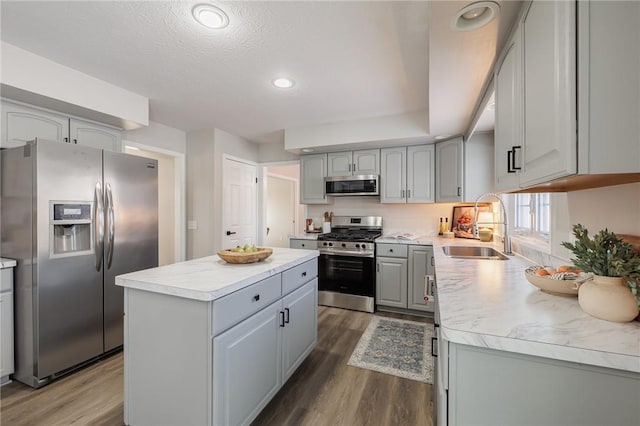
{"points": [[73, 217]]}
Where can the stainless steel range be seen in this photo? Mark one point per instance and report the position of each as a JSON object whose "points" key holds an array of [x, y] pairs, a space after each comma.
{"points": [[346, 266]]}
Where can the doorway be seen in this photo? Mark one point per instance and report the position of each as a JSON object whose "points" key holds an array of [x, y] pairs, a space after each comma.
{"points": [[282, 213], [170, 195]]}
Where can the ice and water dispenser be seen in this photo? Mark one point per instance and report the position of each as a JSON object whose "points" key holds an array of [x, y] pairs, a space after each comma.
{"points": [[70, 228]]}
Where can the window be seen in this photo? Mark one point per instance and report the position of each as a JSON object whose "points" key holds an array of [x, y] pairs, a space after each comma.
{"points": [[532, 215]]}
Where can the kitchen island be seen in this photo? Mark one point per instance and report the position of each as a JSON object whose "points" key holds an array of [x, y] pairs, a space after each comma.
{"points": [[207, 342], [509, 353]]}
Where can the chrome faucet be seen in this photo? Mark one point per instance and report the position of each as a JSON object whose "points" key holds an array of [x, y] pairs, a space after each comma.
{"points": [[505, 221]]}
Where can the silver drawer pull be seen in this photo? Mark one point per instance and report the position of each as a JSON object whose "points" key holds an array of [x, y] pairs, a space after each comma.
{"points": [[256, 297]]}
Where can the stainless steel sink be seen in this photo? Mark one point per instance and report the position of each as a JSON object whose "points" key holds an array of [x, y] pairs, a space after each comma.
{"points": [[473, 252]]}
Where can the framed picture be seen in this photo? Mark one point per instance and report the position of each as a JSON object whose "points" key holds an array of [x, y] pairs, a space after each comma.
{"points": [[462, 218]]}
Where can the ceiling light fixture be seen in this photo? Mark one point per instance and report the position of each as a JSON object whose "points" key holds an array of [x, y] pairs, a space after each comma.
{"points": [[283, 83], [307, 150], [442, 137], [210, 16], [475, 15]]}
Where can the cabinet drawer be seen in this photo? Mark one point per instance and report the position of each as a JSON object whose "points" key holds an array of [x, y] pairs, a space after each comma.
{"points": [[298, 275], [237, 306], [391, 250], [303, 244]]}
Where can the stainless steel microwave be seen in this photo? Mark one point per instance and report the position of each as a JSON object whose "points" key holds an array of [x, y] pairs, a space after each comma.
{"points": [[352, 185]]}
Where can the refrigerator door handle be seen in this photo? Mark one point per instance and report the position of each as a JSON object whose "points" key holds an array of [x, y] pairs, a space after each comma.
{"points": [[111, 226], [98, 225]]}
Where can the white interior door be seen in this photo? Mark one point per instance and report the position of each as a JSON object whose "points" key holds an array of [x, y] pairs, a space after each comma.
{"points": [[281, 210], [239, 203]]}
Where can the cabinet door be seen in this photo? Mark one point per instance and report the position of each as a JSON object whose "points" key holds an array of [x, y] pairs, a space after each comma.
{"points": [[6, 333], [393, 175], [94, 135], [366, 162], [391, 282], [21, 124], [247, 367], [420, 265], [549, 40], [421, 174], [339, 164], [508, 125], [300, 332], [449, 169], [313, 169]]}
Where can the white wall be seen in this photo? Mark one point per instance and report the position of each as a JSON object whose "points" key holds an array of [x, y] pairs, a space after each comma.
{"points": [[616, 208], [422, 219], [411, 126], [200, 183], [273, 152], [25, 75], [205, 152], [160, 136]]}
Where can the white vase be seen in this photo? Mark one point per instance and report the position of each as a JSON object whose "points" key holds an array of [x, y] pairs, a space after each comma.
{"points": [[608, 298]]}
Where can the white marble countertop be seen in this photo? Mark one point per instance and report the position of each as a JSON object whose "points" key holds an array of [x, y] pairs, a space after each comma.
{"points": [[210, 278], [489, 303], [422, 240], [305, 236], [7, 263]]}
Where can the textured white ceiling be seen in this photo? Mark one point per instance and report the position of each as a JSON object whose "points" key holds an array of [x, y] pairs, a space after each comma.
{"points": [[350, 60]]}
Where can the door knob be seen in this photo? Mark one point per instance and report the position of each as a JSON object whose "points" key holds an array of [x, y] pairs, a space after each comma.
{"points": [[230, 233]]}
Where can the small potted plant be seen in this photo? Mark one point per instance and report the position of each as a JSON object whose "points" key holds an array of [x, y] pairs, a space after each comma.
{"points": [[611, 295]]}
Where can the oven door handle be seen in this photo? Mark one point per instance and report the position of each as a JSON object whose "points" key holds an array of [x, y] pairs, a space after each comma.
{"points": [[345, 253]]}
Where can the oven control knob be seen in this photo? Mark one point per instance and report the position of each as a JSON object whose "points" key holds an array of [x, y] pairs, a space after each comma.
{"points": [[358, 246], [330, 244], [344, 245], [324, 244]]}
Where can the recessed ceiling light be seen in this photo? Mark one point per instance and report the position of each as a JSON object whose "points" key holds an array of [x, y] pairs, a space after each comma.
{"points": [[442, 137], [475, 15], [283, 83], [210, 16], [307, 150]]}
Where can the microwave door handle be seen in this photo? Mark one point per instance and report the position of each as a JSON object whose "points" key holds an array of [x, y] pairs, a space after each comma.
{"points": [[98, 224]]}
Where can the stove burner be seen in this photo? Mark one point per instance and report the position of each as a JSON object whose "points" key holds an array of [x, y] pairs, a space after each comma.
{"points": [[350, 235]]}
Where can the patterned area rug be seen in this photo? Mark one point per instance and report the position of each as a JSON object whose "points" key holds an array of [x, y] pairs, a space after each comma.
{"points": [[397, 347]]}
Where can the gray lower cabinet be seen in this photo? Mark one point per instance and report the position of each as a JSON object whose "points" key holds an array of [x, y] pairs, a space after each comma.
{"points": [[283, 334], [391, 282], [404, 276], [492, 387], [193, 362], [6, 324]]}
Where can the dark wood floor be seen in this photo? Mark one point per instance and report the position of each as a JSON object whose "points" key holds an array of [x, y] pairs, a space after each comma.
{"points": [[324, 390]]}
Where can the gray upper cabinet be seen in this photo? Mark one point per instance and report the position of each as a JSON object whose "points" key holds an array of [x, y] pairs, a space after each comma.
{"points": [[449, 171], [420, 174], [407, 174], [567, 102], [94, 135], [549, 35], [22, 123], [313, 169], [364, 162], [393, 175], [508, 110]]}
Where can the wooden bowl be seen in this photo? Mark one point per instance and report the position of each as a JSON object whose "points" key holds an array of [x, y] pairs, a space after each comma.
{"points": [[250, 257], [563, 287]]}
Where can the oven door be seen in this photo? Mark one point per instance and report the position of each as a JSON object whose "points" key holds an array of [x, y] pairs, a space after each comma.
{"points": [[346, 273]]}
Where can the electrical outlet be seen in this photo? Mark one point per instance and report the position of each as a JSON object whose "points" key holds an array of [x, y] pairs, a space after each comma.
{"points": [[192, 224]]}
